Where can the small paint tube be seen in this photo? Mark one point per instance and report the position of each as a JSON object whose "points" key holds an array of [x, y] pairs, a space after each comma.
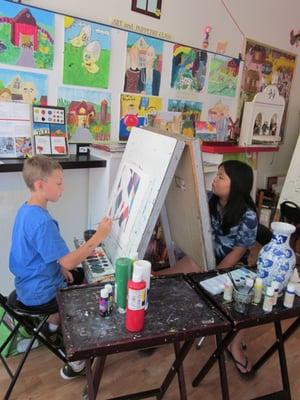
{"points": [[103, 303], [275, 286], [109, 289]]}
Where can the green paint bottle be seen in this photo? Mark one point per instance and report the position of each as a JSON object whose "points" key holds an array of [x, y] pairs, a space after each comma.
{"points": [[123, 274]]}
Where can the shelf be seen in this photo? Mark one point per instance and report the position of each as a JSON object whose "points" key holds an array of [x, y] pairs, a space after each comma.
{"points": [[237, 149], [71, 162]]}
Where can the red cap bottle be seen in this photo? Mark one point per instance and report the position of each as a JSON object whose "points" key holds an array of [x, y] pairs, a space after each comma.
{"points": [[135, 311]]}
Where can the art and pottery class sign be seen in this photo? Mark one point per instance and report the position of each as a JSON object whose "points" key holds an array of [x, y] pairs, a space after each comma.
{"points": [[140, 29]]}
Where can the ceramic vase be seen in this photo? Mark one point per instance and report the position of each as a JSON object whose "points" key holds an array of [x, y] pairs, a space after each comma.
{"points": [[276, 259]]}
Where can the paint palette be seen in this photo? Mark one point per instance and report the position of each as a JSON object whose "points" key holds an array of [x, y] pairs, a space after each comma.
{"points": [[49, 115], [98, 267]]}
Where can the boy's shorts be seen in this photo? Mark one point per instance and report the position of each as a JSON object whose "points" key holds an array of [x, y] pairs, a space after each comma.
{"points": [[51, 307]]}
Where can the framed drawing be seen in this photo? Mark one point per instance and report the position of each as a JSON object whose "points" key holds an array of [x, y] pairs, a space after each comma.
{"points": [[147, 7]]}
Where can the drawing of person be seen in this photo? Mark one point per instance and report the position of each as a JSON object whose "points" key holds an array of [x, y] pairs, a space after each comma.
{"points": [[149, 82], [91, 54], [132, 74]]}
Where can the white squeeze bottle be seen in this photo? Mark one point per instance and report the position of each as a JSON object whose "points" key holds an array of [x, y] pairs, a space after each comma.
{"points": [[257, 290], [268, 300], [289, 296]]}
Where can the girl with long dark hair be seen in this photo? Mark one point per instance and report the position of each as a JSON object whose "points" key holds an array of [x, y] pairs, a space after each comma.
{"points": [[234, 228]]}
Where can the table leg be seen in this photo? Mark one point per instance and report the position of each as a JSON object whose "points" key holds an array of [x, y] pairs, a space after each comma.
{"points": [[180, 373], [222, 369], [94, 371], [213, 358], [290, 330], [282, 359], [175, 368]]}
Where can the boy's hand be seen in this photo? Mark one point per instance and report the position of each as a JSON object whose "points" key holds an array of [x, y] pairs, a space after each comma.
{"points": [[104, 227], [67, 275]]}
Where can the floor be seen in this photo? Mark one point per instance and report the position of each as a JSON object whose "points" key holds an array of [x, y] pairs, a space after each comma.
{"points": [[129, 372]]}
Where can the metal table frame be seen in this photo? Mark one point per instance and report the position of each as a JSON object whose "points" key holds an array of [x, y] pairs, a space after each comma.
{"points": [[255, 317], [182, 339]]}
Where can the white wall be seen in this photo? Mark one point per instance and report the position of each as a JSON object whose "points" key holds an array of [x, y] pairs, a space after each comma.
{"points": [[266, 21], [71, 212]]}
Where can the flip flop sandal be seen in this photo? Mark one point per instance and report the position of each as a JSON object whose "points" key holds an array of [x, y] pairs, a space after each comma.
{"points": [[247, 374]]}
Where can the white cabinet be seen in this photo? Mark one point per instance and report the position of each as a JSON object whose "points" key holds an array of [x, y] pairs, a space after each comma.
{"points": [[262, 118]]}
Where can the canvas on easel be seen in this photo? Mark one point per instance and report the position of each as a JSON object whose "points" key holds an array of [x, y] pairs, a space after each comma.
{"points": [[151, 165], [139, 190]]}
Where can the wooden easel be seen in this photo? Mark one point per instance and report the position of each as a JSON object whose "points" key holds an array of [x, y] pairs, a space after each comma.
{"points": [[180, 199]]}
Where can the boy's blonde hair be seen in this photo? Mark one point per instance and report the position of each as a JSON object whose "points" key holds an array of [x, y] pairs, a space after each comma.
{"points": [[38, 167]]}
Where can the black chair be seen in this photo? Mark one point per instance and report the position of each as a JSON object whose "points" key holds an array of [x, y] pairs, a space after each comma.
{"points": [[290, 212], [263, 235], [32, 322]]}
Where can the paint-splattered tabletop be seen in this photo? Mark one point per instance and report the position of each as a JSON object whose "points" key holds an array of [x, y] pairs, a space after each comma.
{"points": [[176, 312]]}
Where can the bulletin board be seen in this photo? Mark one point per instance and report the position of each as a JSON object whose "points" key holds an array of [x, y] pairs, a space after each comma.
{"points": [[110, 80]]}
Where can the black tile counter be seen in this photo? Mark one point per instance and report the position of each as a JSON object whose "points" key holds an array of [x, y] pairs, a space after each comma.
{"points": [[71, 162]]}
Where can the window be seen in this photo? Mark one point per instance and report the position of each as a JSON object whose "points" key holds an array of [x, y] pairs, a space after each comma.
{"points": [[147, 7]]}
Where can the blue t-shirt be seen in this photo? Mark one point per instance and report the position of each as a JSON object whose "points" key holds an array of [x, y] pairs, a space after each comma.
{"points": [[36, 247], [242, 235]]}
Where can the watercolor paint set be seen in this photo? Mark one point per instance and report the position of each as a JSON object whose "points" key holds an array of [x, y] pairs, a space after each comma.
{"points": [[98, 267]]}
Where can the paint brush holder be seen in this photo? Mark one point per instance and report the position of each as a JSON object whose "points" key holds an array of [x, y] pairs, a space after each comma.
{"points": [[242, 298]]}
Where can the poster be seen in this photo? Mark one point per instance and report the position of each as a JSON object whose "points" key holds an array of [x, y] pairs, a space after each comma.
{"points": [[86, 53], [266, 65], [135, 110], [188, 68], [219, 120], [128, 197], [143, 64], [26, 36], [88, 114], [223, 76], [23, 87], [190, 112]]}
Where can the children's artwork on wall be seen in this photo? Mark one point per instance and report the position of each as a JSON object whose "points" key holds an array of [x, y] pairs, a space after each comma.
{"points": [[88, 114], [129, 194], [168, 121], [86, 53], [143, 64], [219, 116], [135, 110], [26, 36], [190, 111], [188, 68], [206, 131], [265, 65], [23, 87], [223, 76], [294, 38]]}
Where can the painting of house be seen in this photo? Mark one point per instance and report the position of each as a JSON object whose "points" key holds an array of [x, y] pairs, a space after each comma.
{"points": [[88, 114], [24, 30], [81, 113], [26, 36], [24, 87]]}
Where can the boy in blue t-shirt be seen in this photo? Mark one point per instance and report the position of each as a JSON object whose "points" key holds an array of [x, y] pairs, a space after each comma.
{"points": [[39, 257]]}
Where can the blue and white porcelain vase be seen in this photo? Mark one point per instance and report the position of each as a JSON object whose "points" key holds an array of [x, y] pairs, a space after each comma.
{"points": [[276, 260]]}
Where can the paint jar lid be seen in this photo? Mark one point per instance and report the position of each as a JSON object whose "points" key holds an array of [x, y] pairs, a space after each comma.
{"points": [[270, 291], [258, 281], [290, 288], [137, 276], [275, 285], [108, 287], [103, 293]]}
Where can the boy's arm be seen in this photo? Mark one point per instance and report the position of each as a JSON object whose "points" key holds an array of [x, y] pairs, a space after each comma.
{"points": [[72, 259], [233, 257]]}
